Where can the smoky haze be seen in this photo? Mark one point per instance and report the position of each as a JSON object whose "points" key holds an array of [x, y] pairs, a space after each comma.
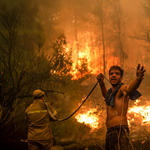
{"points": [[118, 28], [100, 33], [83, 25]]}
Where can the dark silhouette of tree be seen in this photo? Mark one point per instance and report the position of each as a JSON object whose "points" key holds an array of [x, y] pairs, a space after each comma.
{"points": [[23, 65], [62, 56], [100, 12], [118, 30]]}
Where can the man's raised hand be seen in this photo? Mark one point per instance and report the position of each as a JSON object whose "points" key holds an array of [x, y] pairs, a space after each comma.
{"points": [[140, 72]]}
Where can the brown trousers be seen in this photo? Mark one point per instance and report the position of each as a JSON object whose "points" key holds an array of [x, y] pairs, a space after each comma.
{"points": [[117, 138], [40, 144]]}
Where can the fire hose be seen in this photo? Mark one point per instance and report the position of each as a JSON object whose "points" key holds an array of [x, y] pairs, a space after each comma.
{"points": [[59, 120]]}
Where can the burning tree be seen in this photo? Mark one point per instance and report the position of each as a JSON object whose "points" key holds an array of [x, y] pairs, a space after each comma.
{"points": [[62, 57]]}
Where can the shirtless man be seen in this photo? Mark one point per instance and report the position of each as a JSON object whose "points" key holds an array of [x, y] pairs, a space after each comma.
{"points": [[117, 98]]}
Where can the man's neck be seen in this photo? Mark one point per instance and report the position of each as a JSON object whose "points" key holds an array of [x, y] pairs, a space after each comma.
{"points": [[114, 86]]}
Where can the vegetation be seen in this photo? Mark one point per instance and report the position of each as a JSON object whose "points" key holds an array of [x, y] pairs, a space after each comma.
{"points": [[35, 53], [24, 67]]}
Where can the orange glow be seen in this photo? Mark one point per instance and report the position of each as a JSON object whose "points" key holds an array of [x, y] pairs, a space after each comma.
{"points": [[89, 118], [92, 56], [138, 115]]}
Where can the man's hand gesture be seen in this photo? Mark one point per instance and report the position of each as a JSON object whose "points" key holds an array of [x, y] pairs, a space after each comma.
{"points": [[140, 72]]}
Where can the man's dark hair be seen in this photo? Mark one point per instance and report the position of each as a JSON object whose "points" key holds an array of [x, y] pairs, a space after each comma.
{"points": [[118, 68]]}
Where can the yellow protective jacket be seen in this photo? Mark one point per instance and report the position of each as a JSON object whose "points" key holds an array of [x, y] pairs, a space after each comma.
{"points": [[39, 121]]}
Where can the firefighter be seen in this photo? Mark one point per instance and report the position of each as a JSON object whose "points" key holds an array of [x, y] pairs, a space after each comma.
{"points": [[39, 130]]}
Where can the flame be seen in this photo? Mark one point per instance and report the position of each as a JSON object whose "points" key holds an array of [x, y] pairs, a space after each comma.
{"points": [[89, 118], [138, 115], [85, 51]]}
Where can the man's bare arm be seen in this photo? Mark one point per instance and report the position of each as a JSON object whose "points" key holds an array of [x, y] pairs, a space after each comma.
{"points": [[104, 90], [136, 83]]}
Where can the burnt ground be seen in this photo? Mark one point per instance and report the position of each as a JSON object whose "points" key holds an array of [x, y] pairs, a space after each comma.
{"points": [[18, 145]]}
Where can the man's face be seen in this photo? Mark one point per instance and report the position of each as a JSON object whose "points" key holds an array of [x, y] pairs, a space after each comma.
{"points": [[115, 77]]}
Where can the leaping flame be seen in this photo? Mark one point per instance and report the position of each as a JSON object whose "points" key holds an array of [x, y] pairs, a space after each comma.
{"points": [[141, 113], [92, 56], [136, 114], [89, 118]]}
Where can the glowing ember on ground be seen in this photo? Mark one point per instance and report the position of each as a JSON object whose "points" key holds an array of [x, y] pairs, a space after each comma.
{"points": [[89, 118]]}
